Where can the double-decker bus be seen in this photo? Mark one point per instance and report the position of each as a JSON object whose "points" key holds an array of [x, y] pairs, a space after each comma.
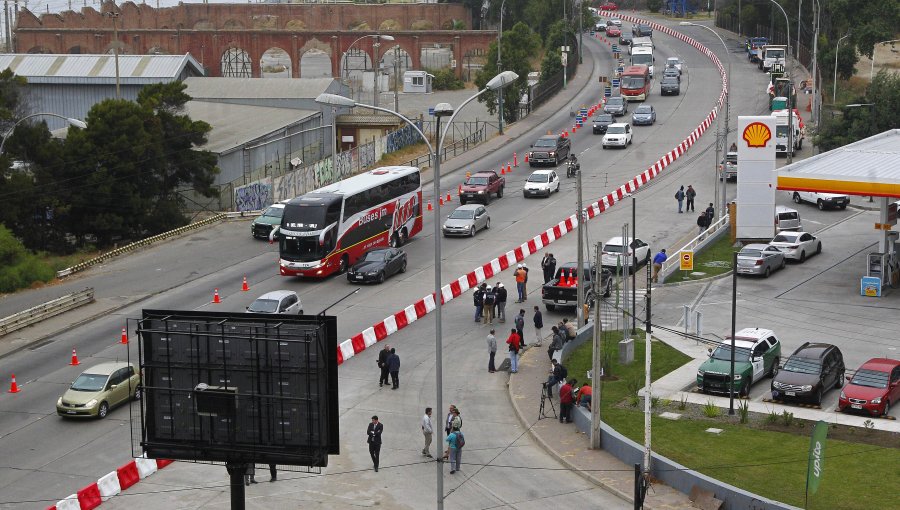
{"points": [[327, 230], [635, 83]]}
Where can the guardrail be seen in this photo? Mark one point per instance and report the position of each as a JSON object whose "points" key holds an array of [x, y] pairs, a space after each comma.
{"points": [[46, 310], [81, 266], [696, 244]]}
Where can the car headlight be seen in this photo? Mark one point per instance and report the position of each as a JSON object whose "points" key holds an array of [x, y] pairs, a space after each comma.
{"points": [[806, 387], [91, 403], [59, 401], [481, 192], [843, 396], [700, 373], [737, 377], [552, 154], [372, 273], [876, 400], [778, 385]]}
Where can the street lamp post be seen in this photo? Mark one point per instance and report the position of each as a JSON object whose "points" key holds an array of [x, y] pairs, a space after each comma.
{"points": [[347, 53], [74, 122], [837, 51], [497, 83], [115, 17], [790, 107], [500, 70], [874, 48], [815, 64]]}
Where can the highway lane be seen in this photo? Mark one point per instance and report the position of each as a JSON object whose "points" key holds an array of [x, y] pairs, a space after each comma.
{"points": [[461, 256]]}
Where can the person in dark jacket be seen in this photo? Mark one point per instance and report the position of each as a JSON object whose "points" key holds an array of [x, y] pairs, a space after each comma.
{"points": [[679, 196], [382, 364], [690, 194], [710, 214], [500, 290], [548, 264], [488, 301], [478, 301], [557, 342], [538, 320], [703, 222], [520, 327], [373, 432], [393, 363]]}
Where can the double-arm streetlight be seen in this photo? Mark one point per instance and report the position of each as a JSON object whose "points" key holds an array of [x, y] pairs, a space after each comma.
{"points": [[497, 83], [376, 67], [72, 122]]}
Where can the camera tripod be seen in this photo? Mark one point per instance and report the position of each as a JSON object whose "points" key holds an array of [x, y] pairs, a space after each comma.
{"points": [[542, 413]]}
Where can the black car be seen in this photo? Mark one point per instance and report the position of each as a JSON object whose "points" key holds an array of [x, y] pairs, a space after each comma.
{"points": [[377, 264], [644, 31], [812, 369], [625, 39], [616, 105], [601, 122], [549, 149], [669, 85]]}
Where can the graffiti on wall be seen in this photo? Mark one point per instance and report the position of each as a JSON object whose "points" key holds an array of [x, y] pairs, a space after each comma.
{"points": [[367, 155], [401, 138], [254, 196]]}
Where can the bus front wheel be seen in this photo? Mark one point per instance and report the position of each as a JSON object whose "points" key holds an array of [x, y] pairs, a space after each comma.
{"points": [[345, 262]]}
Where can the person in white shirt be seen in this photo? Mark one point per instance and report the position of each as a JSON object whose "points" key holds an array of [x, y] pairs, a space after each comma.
{"points": [[427, 430]]}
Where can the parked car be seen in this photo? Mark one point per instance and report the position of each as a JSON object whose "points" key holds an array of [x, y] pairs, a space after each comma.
{"points": [[613, 31], [812, 370], [797, 245], [563, 289], [787, 218], [541, 183], [609, 6], [728, 167], [822, 200], [644, 115], [669, 86], [263, 224], [759, 259], [377, 265], [277, 301], [466, 220], [617, 135], [671, 72], [99, 389], [615, 248], [676, 63], [872, 388], [549, 149], [757, 353], [480, 186], [616, 106], [601, 122]]}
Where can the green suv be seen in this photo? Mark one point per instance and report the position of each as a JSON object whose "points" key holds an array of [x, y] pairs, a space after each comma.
{"points": [[757, 353]]}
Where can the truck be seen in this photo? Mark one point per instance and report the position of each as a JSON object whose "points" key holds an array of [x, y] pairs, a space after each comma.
{"points": [[480, 186], [781, 89], [563, 289], [642, 42], [781, 132], [773, 55], [755, 46], [642, 55]]}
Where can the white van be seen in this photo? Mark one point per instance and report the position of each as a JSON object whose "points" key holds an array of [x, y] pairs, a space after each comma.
{"points": [[786, 218]]}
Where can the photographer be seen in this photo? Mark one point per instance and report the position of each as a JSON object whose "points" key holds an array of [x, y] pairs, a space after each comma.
{"points": [[557, 374]]}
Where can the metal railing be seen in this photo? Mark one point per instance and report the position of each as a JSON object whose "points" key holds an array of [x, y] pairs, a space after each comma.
{"points": [[696, 244], [46, 310], [451, 151]]}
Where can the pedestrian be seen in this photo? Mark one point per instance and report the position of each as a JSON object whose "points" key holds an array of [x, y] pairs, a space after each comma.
{"points": [[538, 320], [571, 330], [548, 264], [448, 424], [492, 351], [520, 283], [454, 449], [566, 399], [382, 364], [710, 213], [658, 263], [456, 419], [558, 373], [525, 283], [488, 301], [690, 194], [703, 222], [478, 301], [520, 327], [500, 291], [679, 196], [273, 472], [427, 431], [374, 431], [733, 147], [584, 396], [513, 343], [557, 341], [394, 367], [250, 473]]}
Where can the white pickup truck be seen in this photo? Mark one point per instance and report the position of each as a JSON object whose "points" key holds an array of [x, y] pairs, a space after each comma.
{"points": [[822, 200], [781, 132], [772, 55]]}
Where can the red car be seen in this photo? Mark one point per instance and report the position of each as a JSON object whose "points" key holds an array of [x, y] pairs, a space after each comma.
{"points": [[613, 31], [873, 387], [609, 7]]}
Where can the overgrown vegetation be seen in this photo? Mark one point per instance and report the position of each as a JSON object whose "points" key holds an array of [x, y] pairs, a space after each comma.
{"points": [[18, 267], [873, 113], [445, 79]]}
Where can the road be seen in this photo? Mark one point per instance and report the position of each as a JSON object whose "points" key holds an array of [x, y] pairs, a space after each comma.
{"points": [[46, 458]]}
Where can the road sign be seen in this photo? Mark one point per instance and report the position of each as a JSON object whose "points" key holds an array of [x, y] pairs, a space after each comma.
{"points": [[565, 49], [565, 59], [615, 48], [615, 82], [686, 260], [607, 91], [431, 111]]}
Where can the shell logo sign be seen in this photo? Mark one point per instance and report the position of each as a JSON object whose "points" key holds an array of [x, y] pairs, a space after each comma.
{"points": [[756, 134]]}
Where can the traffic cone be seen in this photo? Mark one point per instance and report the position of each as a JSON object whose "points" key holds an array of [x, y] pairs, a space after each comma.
{"points": [[244, 286], [442, 200], [430, 208], [508, 167], [449, 197], [459, 190], [13, 387], [124, 336], [74, 358], [216, 297], [526, 157], [515, 160], [502, 171]]}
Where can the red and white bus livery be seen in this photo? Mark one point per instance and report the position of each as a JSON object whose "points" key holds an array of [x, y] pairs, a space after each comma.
{"points": [[327, 230], [635, 84]]}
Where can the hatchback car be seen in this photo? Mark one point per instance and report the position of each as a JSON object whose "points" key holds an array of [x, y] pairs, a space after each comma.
{"points": [[376, 265], [263, 224], [812, 370], [466, 220], [541, 183], [787, 218], [615, 248], [759, 259], [872, 388], [277, 301], [601, 122], [644, 115], [617, 135], [616, 105], [797, 245], [669, 86], [757, 353], [99, 389], [676, 63]]}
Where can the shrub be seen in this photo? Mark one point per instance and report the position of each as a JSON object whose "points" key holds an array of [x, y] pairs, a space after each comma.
{"points": [[744, 410], [445, 79], [772, 418], [19, 268], [787, 419], [711, 410], [682, 403]]}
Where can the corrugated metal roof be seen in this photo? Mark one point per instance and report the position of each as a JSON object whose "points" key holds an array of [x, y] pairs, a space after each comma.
{"points": [[271, 88], [47, 68], [235, 125], [860, 167]]}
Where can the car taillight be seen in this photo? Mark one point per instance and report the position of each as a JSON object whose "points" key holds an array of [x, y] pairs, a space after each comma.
{"points": [[758, 262]]}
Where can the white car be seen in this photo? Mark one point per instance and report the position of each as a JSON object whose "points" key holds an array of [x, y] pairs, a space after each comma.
{"points": [[797, 245], [541, 183], [617, 135], [676, 63], [613, 250], [822, 200], [277, 301]]}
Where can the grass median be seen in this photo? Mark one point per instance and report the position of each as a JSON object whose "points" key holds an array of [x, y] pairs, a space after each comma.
{"points": [[771, 463], [715, 259]]}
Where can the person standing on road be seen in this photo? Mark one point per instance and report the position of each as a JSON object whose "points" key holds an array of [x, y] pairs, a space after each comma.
{"points": [[488, 302], [679, 196], [500, 290], [702, 222], [520, 283], [538, 325], [273, 472], [690, 194], [710, 214], [548, 264], [382, 364], [374, 431], [520, 327], [657, 264], [427, 431], [492, 351], [478, 301], [448, 423], [454, 450], [513, 343], [394, 367], [249, 475]]}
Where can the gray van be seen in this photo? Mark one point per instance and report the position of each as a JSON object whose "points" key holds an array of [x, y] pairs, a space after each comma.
{"points": [[786, 218]]}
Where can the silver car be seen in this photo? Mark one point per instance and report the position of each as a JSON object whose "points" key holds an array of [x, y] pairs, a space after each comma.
{"points": [[277, 301], [759, 259], [466, 220]]}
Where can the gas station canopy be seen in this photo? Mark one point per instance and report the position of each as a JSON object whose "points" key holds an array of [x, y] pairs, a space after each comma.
{"points": [[869, 167]]}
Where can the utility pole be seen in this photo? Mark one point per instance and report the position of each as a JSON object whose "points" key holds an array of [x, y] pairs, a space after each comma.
{"points": [[397, 79], [6, 16], [634, 272], [579, 214], [115, 18], [500, 70], [626, 263], [596, 369], [580, 33], [376, 67], [647, 382]]}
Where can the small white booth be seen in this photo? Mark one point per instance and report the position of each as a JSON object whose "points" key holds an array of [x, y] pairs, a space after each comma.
{"points": [[417, 82]]}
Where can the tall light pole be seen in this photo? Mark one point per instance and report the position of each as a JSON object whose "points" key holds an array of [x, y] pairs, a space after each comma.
{"points": [[115, 18], [799, 6], [720, 210], [346, 72], [500, 70], [874, 48], [73, 122], [837, 51], [497, 83], [790, 107], [580, 33], [815, 64]]}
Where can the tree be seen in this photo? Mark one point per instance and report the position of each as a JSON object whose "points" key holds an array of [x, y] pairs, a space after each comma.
{"points": [[877, 114], [519, 44], [551, 65]]}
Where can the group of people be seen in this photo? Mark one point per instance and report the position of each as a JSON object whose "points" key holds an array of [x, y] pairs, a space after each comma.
{"points": [[453, 427], [690, 194], [569, 392], [490, 303], [560, 334], [389, 363]]}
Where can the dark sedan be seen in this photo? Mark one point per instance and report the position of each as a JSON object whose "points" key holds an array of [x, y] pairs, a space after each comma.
{"points": [[601, 122], [378, 264], [669, 85]]}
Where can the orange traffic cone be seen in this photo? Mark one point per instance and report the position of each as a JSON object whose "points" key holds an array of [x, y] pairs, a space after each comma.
{"points": [[442, 200], [124, 336], [449, 197], [508, 167], [526, 157], [244, 286], [74, 358], [515, 160], [216, 297], [14, 388], [430, 208], [459, 190], [502, 170]]}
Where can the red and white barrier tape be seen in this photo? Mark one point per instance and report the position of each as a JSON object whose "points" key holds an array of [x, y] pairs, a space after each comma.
{"points": [[109, 485]]}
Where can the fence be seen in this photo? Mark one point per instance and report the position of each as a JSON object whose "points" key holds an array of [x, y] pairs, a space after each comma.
{"points": [[545, 89], [46, 310], [711, 234]]}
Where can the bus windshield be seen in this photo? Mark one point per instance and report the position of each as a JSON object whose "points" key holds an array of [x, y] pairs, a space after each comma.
{"points": [[632, 82], [642, 58]]}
